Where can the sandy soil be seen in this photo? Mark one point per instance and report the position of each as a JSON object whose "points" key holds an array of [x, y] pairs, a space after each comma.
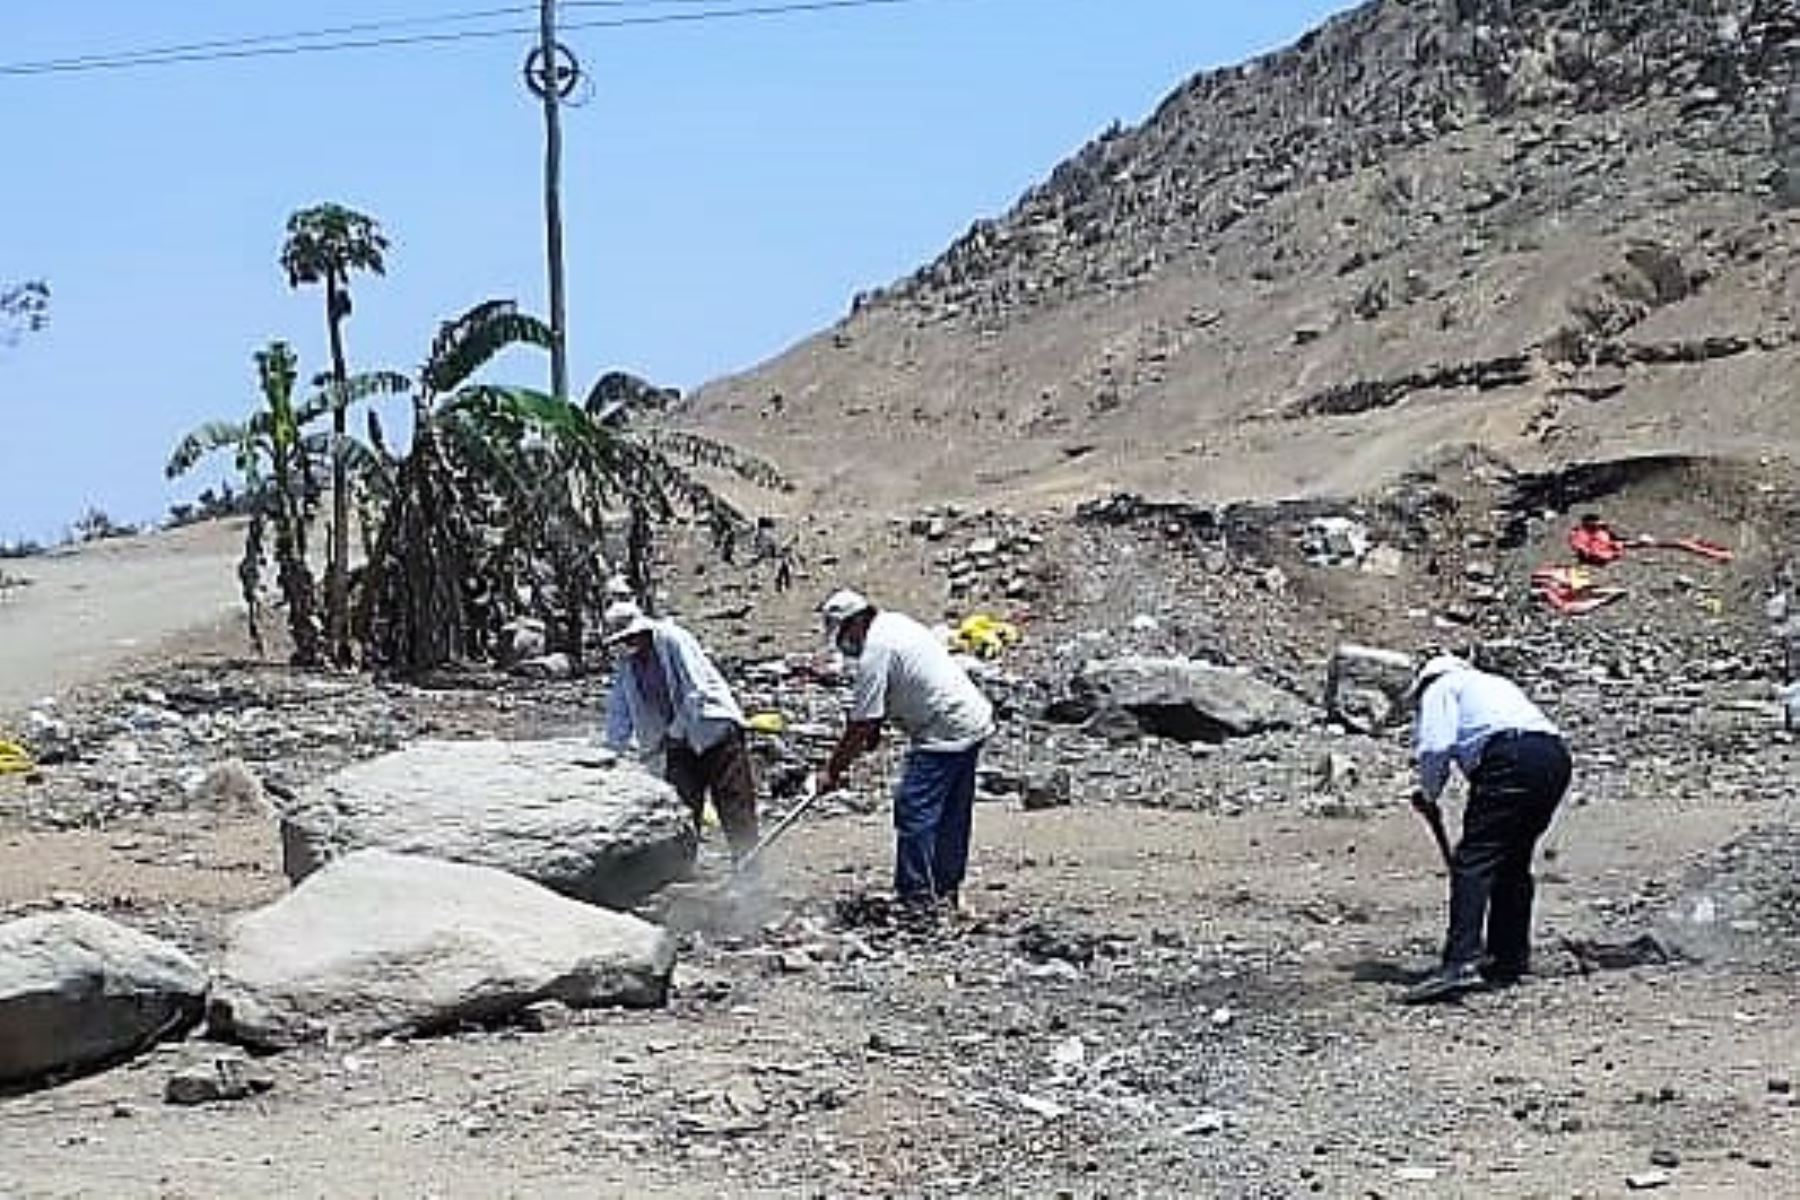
{"points": [[1561, 1088], [90, 611]]}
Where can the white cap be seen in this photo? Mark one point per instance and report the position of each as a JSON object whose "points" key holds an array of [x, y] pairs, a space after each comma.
{"points": [[841, 605], [625, 620]]}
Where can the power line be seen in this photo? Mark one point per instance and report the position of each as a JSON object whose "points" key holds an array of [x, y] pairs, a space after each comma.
{"points": [[359, 27], [265, 39], [225, 50]]}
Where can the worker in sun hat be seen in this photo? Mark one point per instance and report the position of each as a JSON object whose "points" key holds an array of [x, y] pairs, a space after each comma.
{"points": [[1517, 767], [905, 676], [667, 697]]}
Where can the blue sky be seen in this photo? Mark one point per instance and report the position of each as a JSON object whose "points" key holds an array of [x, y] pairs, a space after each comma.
{"points": [[729, 186]]}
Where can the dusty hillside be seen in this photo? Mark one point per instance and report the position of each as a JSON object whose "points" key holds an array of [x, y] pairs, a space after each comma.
{"points": [[1559, 229]]}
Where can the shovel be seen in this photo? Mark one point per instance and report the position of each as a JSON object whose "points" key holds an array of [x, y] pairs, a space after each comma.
{"points": [[1434, 817], [808, 797]]}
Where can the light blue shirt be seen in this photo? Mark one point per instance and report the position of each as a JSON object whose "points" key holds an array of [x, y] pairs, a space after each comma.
{"points": [[700, 708], [1458, 714]]}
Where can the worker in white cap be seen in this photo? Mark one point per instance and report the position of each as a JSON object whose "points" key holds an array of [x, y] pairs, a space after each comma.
{"points": [[1517, 767], [668, 698], [904, 675]]}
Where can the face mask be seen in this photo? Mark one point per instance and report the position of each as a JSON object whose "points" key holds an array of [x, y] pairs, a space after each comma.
{"points": [[845, 644]]}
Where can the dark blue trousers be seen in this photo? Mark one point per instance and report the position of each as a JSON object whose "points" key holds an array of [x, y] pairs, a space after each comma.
{"points": [[934, 809], [1513, 795]]}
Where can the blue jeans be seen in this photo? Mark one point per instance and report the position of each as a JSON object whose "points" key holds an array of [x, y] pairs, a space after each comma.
{"points": [[934, 808]]}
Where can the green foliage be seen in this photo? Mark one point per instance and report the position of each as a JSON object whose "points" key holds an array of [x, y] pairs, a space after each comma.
{"points": [[96, 525], [279, 464], [326, 242], [502, 506], [469, 342]]}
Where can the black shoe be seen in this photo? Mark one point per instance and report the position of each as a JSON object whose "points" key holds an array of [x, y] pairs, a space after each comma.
{"points": [[1445, 983], [1502, 974], [918, 913]]}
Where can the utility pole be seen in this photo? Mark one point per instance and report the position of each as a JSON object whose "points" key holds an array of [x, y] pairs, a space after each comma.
{"points": [[551, 73]]}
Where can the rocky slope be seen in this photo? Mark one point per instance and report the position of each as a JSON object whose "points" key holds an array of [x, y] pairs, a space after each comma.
{"points": [[1557, 228]]}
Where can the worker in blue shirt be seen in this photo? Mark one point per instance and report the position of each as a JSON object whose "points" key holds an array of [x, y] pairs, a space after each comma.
{"points": [[1517, 767]]}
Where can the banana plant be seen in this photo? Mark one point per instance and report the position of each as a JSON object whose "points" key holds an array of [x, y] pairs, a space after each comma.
{"points": [[281, 464], [501, 506]]}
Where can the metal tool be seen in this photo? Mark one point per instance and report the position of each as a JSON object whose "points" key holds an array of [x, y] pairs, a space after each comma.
{"points": [[1434, 817], [808, 797]]}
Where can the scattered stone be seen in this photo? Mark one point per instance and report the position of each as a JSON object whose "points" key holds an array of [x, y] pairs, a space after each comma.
{"points": [[521, 640], [1188, 701], [794, 962], [1662, 1156], [1592, 955], [1045, 942], [1206, 1123], [1335, 541], [1336, 772], [563, 813], [79, 992], [744, 1098], [1366, 687], [546, 666], [1037, 1106], [233, 789], [224, 1077], [545, 1016], [1645, 1181], [1048, 789], [380, 943]]}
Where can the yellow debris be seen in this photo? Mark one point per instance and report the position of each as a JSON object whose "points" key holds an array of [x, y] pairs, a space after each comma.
{"points": [[985, 635], [15, 759], [767, 722]]}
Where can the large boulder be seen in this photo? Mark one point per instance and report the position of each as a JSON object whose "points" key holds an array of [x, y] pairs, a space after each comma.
{"points": [[1188, 701], [79, 992], [561, 813], [379, 943]]}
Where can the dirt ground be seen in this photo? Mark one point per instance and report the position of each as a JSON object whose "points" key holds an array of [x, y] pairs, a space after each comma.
{"points": [[86, 614], [1220, 1019], [1257, 965]]}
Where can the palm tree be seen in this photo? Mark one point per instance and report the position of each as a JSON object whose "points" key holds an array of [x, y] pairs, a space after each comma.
{"points": [[500, 507], [325, 244]]}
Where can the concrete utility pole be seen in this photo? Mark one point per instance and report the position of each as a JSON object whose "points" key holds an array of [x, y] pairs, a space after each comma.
{"points": [[548, 76]]}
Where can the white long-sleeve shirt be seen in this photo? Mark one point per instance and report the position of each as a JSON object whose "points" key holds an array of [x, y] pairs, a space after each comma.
{"points": [[1458, 714], [700, 707]]}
